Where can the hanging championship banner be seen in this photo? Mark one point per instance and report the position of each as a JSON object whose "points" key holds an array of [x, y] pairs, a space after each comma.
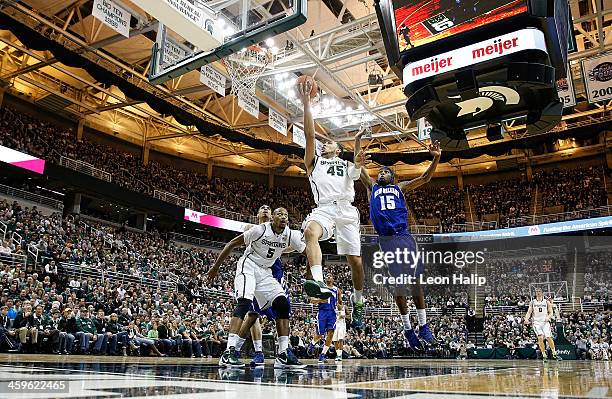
{"points": [[113, 16], [298, 136], [277, 121], [565, 88], [598, 77], [213, 79], [249, 103], [172, 51], [424, 128]]}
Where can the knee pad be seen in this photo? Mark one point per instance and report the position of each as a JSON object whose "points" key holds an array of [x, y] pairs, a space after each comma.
{"points": [[281, 307], [242, 308]]}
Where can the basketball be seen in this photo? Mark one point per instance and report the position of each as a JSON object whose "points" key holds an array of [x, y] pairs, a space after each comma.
{"points": [[315, 87]]}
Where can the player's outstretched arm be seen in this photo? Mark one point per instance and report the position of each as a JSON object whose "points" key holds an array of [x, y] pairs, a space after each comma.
{"points": [[434, 149], [304, 89], [227, 250], [367, 181]]}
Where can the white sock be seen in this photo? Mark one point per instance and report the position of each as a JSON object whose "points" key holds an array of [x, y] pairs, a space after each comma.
{"points": [[258, 345], [339, 353], [239, 343], [422, 317], [325, 349], [283, 344], [317, 272], [357, 296], [231, 340], [406, 321]]}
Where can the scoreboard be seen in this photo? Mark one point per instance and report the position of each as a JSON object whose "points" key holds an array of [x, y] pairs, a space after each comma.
{"points": [[471, 63], [423, 22]]}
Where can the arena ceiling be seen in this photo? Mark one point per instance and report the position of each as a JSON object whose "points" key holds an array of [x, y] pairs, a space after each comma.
{"points": [[341, 48]]}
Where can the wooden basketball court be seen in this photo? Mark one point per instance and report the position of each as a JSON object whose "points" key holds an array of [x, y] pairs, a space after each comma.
{"points": [[129, 377]]}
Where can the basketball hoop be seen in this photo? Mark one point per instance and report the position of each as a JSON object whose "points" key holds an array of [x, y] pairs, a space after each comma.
{"points": [[245, 68]]}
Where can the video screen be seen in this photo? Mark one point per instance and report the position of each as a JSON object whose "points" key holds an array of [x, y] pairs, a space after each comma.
{"points": [[422, 22]]}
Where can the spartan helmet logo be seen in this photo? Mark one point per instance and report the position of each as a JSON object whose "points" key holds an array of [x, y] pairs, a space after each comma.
{"points": [[488, 96]]}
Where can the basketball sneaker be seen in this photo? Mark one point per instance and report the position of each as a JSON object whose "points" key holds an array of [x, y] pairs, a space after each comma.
{"points": [[338, 359], [258, 360], [287, 360], [357, 315], [556, 356], [544, 357], [412, 340], [317, 289], [322, 359], [229, 359], [425, 334]]}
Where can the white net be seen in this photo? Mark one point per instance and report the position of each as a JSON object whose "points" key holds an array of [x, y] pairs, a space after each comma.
{"points": [[245, 68]]}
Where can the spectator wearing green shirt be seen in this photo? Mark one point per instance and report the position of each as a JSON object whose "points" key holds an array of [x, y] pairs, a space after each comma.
{"points": [[89, 332], [51, 331]]}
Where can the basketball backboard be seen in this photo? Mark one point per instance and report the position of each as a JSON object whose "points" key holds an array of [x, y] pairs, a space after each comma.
{"points": [[193, 33]]}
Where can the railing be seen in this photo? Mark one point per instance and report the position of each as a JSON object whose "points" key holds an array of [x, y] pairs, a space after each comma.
{"points": [[139, 185], [414, 229], [85, 168], [16, 238], [107, 237], [532, 253], [172, 199], [194, 240], [14, 260], [3, 229], [561, 217], [566, 307], [224, 213], [80, 271], [33, 252], [473, 226], [35, 198]]}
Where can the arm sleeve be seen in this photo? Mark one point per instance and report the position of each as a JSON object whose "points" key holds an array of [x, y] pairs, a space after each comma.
{"points": [[253, 234], [297, 242], [353, 172]]}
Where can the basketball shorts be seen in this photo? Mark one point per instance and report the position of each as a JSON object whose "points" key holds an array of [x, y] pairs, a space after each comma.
{"points": [[342, 220], [268, 312], [340, 331], [326, 321], [542, 328], [410, 265], [256, 283]]}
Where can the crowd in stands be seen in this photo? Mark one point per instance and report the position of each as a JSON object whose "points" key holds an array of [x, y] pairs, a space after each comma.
{"points": [[444, 204], [506, 277], [597, 277], [590, 333], [54, 310], [576, 189], [508, 198]]}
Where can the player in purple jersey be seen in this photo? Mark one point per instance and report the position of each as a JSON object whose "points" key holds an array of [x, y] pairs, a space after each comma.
{"points": [[326, 319], [389, 215]]}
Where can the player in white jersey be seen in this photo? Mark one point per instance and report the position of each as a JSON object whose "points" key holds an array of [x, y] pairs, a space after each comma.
{"points": [[340, 331], [251, 321], [332, 182], [542, 310], [265, 243]]}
